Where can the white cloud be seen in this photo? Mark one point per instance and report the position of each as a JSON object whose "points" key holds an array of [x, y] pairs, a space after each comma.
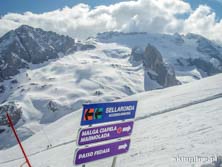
{"points": [[158, 16], [203, 21]]}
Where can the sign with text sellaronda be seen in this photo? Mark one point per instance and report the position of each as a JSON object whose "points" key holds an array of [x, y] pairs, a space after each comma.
{"points": [[108, 112]]}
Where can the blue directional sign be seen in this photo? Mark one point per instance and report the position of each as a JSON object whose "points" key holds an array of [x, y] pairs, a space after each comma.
{"points": [[107, 112]]}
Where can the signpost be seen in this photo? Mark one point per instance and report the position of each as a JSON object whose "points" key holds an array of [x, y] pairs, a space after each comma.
{"points": [[105, 132], [89, 154], [104, 113], [108, 112]]}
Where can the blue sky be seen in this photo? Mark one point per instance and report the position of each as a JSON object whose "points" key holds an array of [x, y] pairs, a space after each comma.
{"points": [[82, 21], [216, 5], [39, 6]]}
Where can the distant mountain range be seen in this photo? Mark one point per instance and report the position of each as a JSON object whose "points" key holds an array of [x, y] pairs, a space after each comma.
{"points": [[192, 56]]}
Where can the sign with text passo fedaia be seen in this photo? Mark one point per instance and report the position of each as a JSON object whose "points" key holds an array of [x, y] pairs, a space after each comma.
{"points": [[104, 133], [108, 112], [89, 154]]}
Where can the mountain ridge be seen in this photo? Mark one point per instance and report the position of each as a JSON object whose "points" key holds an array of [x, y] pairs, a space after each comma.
{"points": [[27, 45], [184, 52]]}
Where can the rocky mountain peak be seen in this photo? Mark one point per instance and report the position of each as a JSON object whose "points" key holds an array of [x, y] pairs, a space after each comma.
{"points": [[157, 74], [152, 57], [25, 28], [27, 45]]}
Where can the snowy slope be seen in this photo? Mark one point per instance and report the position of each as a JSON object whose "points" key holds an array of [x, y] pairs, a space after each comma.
{"points": [[183, 120], [53, 89]]}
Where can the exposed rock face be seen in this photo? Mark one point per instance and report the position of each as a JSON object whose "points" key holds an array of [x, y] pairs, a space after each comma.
{"points": [[137, 56], [14, 111], [2, 89], [154, 61], [157, 74], [206, 67], [212, 64], [25, 45], [85, 46]]}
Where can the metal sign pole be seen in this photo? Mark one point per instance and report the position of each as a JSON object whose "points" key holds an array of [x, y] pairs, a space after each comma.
{"points": [[17, 138], [114, 161]]}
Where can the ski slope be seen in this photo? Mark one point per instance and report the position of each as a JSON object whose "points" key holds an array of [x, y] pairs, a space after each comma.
{"points": [[182, 121]]}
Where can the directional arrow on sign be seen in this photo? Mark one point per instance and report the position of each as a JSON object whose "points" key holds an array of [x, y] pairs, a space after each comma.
{"points": [[124, 146], [89, 154], [127, 129]]}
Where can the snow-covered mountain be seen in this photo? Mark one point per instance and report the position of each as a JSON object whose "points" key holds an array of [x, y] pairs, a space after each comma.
{"points": [[173, 126], [46, 76], [192, 56], [26, 45]]}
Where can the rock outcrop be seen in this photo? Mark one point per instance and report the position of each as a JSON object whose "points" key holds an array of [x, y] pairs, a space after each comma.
{"points": [[14, 111], [157, 74]]}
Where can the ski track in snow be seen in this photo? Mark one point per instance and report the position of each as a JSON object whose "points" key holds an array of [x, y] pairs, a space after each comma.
{"points": [[181, 106], [38, 152]]}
